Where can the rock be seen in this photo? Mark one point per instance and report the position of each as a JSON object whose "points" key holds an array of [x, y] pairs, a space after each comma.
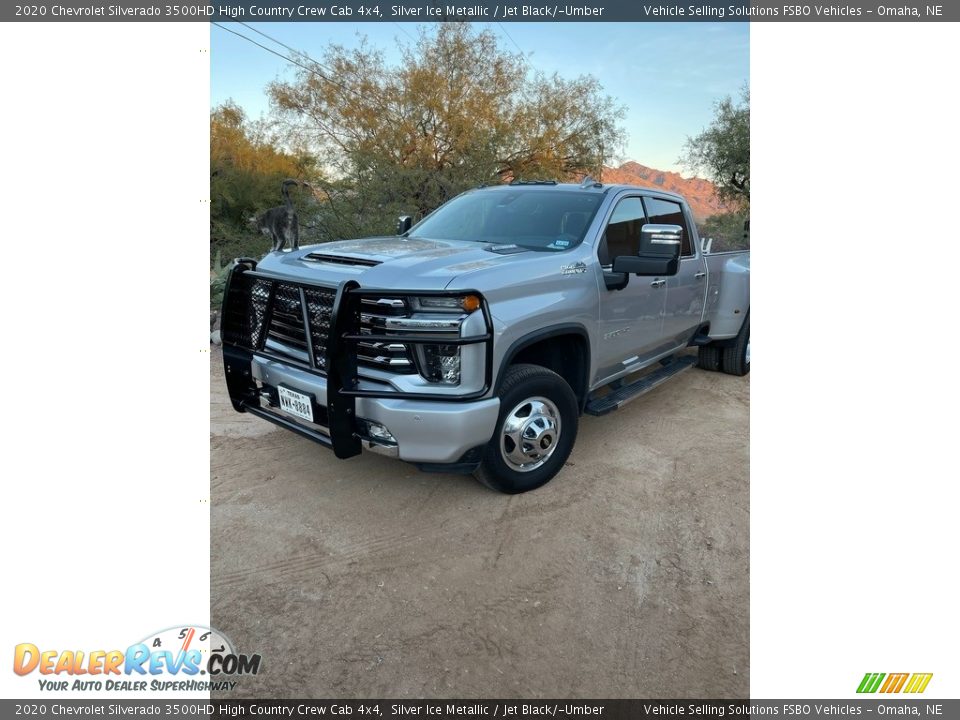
{"points": [[699, 193], [215, 337]]}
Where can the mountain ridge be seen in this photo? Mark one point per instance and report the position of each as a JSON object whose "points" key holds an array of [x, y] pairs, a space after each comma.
{"points": [[700, 194]]}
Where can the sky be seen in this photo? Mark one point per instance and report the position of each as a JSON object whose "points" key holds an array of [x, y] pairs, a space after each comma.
{"points": [[668, 75]]}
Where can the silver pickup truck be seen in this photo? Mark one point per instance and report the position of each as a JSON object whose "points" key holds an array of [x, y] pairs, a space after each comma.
{"points": [[475, 340]]}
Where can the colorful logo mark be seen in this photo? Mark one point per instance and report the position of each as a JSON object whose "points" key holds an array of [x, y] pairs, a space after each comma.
{"points": [[182, 650], [894, 682]]}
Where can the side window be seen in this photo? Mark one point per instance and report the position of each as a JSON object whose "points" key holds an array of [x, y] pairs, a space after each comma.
{"points": [[665, 212], [622, 236]]}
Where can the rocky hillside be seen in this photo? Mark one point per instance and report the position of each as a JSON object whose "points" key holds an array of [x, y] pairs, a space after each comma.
{"points": [[699, 193]]}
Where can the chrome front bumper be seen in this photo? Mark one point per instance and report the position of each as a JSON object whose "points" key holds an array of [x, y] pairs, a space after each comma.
{"points": [[426, 431]]}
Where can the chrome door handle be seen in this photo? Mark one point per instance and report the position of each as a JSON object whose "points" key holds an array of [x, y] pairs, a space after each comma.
{"points": [[658, 283], [700, 275]]}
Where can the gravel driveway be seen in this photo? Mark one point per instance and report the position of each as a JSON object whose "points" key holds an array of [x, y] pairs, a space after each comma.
{"points": [[625, 576]]}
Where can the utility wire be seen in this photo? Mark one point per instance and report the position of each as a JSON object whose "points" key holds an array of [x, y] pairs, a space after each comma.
{"points": [[278, 42], [303, 54], [281, 55], [401, 28], [291, 60], [500, 25]]}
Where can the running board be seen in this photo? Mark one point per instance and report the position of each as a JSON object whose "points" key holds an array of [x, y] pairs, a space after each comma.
{"points": [[616, 399]]}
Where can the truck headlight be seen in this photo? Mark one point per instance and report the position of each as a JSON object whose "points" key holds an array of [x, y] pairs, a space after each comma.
{"points": [[440, 363], [467, 303], [434, 315]]}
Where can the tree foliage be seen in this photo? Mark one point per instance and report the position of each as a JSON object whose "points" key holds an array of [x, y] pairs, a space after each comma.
{"points": [[456, 112], [246, 169], [722, 150], [726, 230]]}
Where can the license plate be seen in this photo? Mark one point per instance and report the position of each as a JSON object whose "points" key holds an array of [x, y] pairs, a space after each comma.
{"points": [[296, 403]]}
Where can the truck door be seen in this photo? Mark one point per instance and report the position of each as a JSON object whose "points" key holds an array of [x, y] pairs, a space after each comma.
{"points": [[686, 291], [630, 318]]}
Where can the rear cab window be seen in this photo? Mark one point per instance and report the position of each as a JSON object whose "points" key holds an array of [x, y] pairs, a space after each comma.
{"points": [[669, 212]]}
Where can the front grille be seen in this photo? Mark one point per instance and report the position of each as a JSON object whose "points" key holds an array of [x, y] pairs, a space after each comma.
{"points": [[268, 316], [244, 310], [393, 356], [286, 334], [320, 312]]}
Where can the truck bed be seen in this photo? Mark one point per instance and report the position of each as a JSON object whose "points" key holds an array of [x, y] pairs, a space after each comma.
{"points": [[728, 294]]}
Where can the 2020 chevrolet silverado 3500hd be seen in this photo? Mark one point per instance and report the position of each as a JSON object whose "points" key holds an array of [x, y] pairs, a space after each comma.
{"points": [[475, 340]]}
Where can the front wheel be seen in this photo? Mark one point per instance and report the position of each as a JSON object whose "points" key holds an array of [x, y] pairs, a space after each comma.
{"points": [[535, 431]]}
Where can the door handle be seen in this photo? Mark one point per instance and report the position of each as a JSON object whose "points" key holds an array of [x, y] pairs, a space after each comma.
{"points": [[700, 275], [658, 283]]}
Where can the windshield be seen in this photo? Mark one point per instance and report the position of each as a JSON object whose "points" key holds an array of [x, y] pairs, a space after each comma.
{"points": [[547, 220]]}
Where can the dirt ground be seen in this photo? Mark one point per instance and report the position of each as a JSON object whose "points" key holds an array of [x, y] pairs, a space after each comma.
{"points": [[625, 576]]}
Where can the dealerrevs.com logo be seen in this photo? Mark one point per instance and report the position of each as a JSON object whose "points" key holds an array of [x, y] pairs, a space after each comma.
{"points": [[894, 682], [182, 658]]}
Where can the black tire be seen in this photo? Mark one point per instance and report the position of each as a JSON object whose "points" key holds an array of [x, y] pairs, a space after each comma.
{"points": [[736, 358], [524, 388], [708, 357]]}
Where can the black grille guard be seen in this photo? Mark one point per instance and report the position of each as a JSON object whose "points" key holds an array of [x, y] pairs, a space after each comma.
{"points": [[245, 326]]}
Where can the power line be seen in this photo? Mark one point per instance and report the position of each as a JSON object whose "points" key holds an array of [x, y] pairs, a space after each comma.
{"points": [[401, 28], [281, 55], [500, 25], [292, 61], [273, 39]]}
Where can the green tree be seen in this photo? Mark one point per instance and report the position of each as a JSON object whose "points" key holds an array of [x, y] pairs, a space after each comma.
{"points": [[722, 150], [726, 230], [456, 112], [246, 169]]}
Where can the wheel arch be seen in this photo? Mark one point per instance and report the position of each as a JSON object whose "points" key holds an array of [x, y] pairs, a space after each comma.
{"points": [[729, 341], [564, 349]]}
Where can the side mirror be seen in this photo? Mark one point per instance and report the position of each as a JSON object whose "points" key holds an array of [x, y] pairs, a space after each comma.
{"points": [[404, 223], [659, 252]]}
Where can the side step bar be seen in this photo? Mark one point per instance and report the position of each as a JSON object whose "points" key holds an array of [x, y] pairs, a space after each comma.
{"points": [[616, 399]]}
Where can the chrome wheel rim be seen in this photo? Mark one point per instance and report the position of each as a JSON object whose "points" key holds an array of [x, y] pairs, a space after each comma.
{"points": [[748, 351], [530, 434]]}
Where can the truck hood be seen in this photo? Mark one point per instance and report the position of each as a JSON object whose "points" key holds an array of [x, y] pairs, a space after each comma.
{"points": [[392, 262]]}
